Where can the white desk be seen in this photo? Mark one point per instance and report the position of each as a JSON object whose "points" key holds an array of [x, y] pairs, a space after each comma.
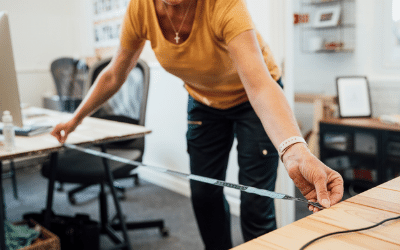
{"points": [[91, 131]]}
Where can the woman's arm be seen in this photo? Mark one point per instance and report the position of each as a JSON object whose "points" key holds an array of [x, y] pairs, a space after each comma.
{"points": [[106, 85], [311, 176]]}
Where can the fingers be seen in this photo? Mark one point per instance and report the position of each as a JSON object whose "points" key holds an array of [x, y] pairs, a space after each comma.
{"points": [[60, 132], [322, 191], [335, 187], [311, 207]]}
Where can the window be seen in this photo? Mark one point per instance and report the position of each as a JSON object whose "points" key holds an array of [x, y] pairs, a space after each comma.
{"points": [[396, 19], [391, 33]]}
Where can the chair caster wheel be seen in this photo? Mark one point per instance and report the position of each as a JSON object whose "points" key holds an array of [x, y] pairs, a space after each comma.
{"points": [[164, 232], [115, 220], [60, 188], [122, 197], [72, 200]]}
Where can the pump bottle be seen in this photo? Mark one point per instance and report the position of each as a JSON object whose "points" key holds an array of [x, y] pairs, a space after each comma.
{"points": [[8, 131]]}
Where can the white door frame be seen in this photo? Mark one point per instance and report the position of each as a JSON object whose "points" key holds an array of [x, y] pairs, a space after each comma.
{"points": [[282, 16]]}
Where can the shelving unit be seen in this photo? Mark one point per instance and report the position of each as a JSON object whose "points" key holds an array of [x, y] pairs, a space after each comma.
{"points": [[340, 36], [364, 151]]}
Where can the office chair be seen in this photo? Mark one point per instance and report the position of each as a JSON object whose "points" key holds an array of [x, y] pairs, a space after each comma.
{"points": [[69, 76], [122, 107], [80, 168]]}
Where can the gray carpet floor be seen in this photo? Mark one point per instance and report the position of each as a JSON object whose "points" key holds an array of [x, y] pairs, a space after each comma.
{"points": [[143, 202]]}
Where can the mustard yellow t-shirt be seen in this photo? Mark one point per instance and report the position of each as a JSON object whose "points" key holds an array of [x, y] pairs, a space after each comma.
{"points": [[202, 61]]}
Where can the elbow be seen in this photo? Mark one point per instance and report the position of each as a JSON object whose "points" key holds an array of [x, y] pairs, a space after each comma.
{"points": [[110, 82]]}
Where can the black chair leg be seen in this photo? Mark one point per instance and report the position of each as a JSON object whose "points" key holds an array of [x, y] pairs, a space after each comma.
{"points": [[110, 229], [60, 187], [136, 179]]}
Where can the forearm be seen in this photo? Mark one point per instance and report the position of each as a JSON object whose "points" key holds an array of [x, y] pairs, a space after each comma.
{"points": [[105, 86], [269, 102], [274, 111]]}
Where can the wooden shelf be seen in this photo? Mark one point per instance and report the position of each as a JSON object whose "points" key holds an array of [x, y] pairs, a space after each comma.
{"points": [[343, 33], [340, 26], [315, 3]]}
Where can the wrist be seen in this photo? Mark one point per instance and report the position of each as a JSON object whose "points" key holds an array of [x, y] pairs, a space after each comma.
{"points": [[286, 144], [76, 120], [295, 152]]}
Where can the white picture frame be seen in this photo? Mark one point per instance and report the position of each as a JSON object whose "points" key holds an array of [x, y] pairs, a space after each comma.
{"points": [[328, 16], [354, 99]]}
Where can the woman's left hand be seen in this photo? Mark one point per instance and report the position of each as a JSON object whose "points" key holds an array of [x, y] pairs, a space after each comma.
{"points": [[315, 180]]}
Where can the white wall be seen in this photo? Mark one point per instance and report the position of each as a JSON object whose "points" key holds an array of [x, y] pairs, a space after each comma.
{"points": [[166, 116], [41, 31], [317, 72]]}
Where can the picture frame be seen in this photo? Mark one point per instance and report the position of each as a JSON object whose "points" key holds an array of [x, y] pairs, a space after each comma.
{"points": [[328, 16], [354, 98]]}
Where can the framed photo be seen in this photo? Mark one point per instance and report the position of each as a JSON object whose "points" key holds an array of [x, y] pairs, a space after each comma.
{"points": [[327, 16], [354, 97]]}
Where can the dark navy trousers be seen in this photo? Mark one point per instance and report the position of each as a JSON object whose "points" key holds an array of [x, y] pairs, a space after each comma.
{"points": [[209, 139]]}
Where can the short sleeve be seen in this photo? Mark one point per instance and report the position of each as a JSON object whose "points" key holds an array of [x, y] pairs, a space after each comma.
{"points": [[231, 18], [129, 35]]}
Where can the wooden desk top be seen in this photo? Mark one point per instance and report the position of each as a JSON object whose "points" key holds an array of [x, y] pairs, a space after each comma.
{"points": [[371, 123], [363, 210], [91, 131]]}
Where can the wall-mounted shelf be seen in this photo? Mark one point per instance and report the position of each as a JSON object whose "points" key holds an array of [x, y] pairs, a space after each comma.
{"points": [[321, 2], [330, 27], [340, 26]]}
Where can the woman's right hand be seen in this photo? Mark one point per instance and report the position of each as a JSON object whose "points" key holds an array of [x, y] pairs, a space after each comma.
{"points": [[62, 130]]}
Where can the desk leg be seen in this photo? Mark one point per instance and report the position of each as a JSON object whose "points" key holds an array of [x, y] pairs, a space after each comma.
{"points": [[50, 189], [2, 213], [116, 202]]}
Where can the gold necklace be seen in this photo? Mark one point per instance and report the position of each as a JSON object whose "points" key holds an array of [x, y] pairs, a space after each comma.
{"points": [[177, 33]]}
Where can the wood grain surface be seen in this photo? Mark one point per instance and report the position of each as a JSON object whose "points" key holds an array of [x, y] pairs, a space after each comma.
{"points": [[371, 123], [363, 210]]}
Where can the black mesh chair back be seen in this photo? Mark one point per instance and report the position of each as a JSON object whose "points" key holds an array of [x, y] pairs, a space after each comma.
{"points": [[119, 108], [69, 76], [129, 104]]}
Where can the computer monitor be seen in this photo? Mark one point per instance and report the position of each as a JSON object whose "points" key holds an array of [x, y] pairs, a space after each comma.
{"points": [[9, 93]]}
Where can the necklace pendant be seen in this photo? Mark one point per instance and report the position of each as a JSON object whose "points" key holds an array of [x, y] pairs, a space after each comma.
{"points": [[177, 37]]}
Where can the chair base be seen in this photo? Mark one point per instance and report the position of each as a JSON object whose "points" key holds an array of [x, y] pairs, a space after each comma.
{"points": [[110, 229], [71, 193]]}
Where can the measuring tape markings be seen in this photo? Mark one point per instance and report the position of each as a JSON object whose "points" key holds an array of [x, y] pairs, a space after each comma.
{"points": [[248, 189]]}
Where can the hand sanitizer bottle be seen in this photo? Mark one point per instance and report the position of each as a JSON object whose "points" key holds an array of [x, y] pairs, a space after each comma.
{"points": [[8, 131]]}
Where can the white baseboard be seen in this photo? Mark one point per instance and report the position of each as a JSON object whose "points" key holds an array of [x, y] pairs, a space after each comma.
{"points": [[181, 186], [173, 183]]}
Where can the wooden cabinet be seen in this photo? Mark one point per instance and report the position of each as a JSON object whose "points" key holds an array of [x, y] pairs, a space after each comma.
{"points": [[365, 151]]}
